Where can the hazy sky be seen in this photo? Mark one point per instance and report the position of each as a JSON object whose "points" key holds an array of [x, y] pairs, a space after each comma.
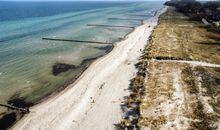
{"points": [[82, 0]]}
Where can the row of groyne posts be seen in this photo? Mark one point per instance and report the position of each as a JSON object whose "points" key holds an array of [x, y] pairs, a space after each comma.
{"points": [[100, 25], [26, 110]]}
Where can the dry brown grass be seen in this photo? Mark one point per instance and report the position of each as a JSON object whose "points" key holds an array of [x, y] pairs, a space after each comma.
{"points": [[178, 37], [173, 95]]}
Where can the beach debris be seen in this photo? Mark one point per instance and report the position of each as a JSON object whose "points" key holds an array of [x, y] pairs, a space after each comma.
{"points": [[102, 85]]}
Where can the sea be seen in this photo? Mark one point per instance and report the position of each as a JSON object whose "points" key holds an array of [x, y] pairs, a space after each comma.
{"points": [[28, 62]]}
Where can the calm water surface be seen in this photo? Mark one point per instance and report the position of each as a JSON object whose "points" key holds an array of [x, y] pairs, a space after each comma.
{"points": [[26, 60]]}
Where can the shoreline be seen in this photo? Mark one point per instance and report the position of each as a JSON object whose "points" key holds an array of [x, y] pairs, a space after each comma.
{"points": [[52, 97], [74, 79]]}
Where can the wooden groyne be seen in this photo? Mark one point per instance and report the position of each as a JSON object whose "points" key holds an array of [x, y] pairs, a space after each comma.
{"points": [[139, 15], [67, 40], [112, 26], [125, 19], [139, 20], [26, 110]]}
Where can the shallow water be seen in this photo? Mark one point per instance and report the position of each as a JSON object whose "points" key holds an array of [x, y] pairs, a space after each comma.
{"points": [[26, 60]]}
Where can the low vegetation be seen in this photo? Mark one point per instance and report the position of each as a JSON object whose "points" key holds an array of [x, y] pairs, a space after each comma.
{"points": [[171, 94], [178, 38], [131, 106], [209, 11]]}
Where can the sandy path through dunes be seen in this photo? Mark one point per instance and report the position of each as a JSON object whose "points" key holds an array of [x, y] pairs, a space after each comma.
{"points": [[193, 63], [93, 101]]}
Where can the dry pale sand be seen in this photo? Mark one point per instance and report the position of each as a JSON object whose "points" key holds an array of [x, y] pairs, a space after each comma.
{"points": [[193, 63], [93, 101]]}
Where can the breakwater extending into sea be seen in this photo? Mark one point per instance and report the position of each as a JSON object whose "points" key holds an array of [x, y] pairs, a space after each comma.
{"points": [[32, 68]]}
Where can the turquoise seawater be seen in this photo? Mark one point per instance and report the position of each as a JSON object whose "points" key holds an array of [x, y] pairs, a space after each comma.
{"points": [[26, 60]]}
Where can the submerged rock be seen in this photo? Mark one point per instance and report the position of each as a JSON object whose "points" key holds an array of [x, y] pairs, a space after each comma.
{"points": [[7, 120], [61, 67], [19, 102]]}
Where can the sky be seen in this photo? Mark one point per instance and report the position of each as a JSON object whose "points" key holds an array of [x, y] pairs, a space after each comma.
{"points": [[82, 0]]}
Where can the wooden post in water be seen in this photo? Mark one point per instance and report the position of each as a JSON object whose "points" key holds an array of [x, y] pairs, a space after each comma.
{"points": [[26, 110], [67, 40], [139, 15], [141, 20], [125, 19]]}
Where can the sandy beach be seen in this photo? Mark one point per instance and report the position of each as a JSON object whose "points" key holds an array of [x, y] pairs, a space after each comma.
{"points": [[93, 101]]}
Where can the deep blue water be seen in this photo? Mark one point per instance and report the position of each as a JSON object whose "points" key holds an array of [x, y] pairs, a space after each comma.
{"points": [[22, 10]]}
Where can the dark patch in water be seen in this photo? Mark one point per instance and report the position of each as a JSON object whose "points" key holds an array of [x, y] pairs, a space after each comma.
{"points": [[86, 61], [19, 102], [103, 48], [7, 120], [61, 67], [106, 48]]}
